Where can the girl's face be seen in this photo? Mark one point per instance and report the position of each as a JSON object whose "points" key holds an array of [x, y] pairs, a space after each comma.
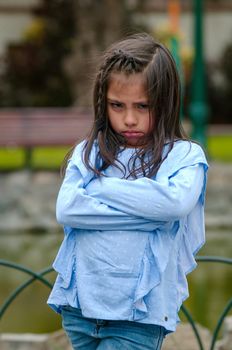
{"points": [[128, 109]]}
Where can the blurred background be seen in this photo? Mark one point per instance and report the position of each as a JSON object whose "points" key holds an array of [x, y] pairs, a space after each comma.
{"points": [[49, 50]]}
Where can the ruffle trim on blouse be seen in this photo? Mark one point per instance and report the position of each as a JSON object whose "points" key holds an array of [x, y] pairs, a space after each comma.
{"points": [[193, 232], [154, 263], [65, 263], [65, 291], [193, 238], [186, 236]]}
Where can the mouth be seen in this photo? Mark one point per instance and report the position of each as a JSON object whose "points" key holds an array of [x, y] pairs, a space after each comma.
{"points": [[130, 134]]}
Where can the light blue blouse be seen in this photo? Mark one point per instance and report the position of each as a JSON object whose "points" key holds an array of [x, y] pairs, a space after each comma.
{"points": [[129, 243]]}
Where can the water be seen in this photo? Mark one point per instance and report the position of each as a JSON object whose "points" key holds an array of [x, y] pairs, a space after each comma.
{"points": [[210, 284], [29, 312]]}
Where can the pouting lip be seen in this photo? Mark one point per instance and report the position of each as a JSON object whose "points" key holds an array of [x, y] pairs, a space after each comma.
{"points": [[132, 133]]}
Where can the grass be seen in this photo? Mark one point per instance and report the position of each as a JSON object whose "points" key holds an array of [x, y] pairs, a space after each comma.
{"points": [[50, 158], [220, 148]]}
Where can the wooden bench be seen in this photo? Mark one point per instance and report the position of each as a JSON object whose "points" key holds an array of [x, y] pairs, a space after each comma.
{"points": [[30, 127]]}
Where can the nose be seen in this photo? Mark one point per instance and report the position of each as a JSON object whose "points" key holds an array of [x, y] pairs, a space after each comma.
{"points": [[130, 118]]}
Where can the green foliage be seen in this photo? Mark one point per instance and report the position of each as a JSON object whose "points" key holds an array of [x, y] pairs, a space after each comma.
{"points": [[34, 73]]}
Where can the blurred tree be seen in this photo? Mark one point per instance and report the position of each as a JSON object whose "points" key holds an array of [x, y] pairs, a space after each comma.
{"points": [[98, 24], [226, 67], [32, 73], [220, 88], [53, 64]]}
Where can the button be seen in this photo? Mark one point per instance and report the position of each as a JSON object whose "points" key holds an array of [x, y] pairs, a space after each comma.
{"points": [[166, 318], [101, 322]]}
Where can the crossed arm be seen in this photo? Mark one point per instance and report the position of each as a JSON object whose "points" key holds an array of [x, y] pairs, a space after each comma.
{"points": [[76, 208], [168, 199], [109, 203]]}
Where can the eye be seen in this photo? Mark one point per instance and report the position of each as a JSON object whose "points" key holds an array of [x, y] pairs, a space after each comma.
{"points": [[143, 106], [116, 105]]}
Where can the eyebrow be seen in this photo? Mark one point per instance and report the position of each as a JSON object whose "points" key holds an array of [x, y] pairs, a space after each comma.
{"points": [[112, 100], [138, 102]]}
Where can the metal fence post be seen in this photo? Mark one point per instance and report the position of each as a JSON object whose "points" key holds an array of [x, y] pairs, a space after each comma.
{"points": [[198, 108]]}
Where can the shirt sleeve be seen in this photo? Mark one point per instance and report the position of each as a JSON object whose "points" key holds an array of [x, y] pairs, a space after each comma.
{"points": [[78, 209], [168, 199]]}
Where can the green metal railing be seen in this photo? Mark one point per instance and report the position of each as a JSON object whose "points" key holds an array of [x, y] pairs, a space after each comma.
{"points": [[227, 308], [34, 276]]}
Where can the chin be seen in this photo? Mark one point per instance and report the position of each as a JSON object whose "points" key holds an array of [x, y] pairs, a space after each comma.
{"points": [[134, 144]]}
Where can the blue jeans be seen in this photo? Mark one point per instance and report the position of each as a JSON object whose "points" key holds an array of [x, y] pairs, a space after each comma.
{"points": [[90, 334]]}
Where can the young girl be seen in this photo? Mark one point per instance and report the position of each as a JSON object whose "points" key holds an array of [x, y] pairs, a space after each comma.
{"points": [[132, 207]]}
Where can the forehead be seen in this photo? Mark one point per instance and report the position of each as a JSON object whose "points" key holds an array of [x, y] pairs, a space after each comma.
{"points": [[121, 84]]}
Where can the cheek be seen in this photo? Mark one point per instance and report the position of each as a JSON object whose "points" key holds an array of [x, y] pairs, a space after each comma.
{"points": [[113, 120]]}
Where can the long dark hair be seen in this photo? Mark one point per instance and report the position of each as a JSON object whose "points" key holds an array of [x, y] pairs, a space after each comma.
{"points": [[138, 53]]}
